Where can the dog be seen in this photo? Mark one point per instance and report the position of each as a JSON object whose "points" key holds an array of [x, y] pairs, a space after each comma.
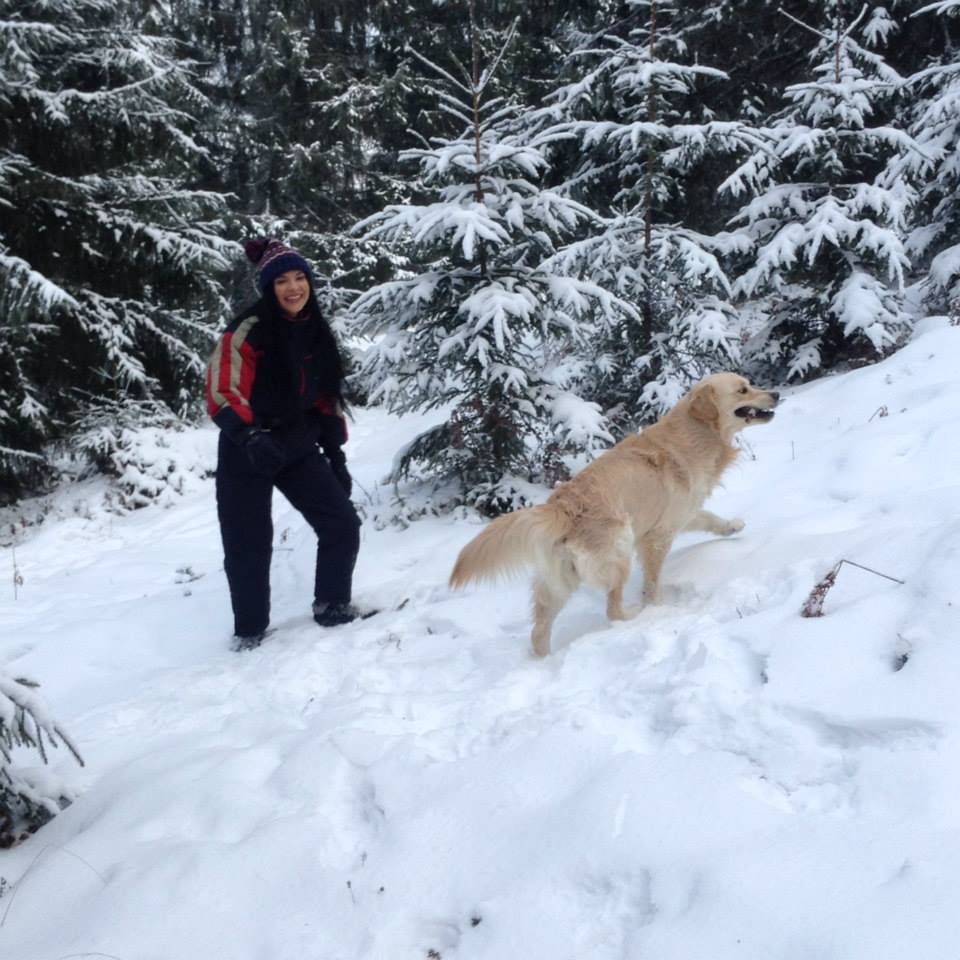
{"points": [[641, 492]]}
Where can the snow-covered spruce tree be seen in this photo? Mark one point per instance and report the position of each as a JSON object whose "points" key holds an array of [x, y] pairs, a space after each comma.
{"points": [[644, 145], [934, 238], [105, 252], [27, 800], [483, 327], [826, 259]]}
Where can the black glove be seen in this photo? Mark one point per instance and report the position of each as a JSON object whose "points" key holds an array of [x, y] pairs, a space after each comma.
{"points": [[263, 451], [331, 430], [338, 464]]}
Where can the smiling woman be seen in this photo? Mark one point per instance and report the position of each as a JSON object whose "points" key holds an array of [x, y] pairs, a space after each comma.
{"points": [[274, 387]]}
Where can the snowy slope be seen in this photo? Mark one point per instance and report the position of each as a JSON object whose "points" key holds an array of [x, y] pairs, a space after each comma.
{"points": [[717, 779]]}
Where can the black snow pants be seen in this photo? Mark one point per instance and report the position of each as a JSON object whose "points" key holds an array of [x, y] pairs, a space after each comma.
{"points": [[246, 526]]}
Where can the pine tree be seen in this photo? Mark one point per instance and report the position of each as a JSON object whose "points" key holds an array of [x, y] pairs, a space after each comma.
{"points": [[483, 325], [26, 802], [643, 143], [935, 167], [309, 105], [826, 262], [106, 252]]}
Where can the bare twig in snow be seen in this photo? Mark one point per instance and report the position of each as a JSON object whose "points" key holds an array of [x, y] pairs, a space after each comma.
{"points": [[17, 576], [813, 605]]}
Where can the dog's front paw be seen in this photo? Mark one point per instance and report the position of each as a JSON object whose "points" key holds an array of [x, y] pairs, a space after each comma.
{"points": [[729, 527]]}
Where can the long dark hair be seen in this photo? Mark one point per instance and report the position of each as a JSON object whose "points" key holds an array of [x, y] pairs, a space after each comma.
{"points": [[326, 352]]}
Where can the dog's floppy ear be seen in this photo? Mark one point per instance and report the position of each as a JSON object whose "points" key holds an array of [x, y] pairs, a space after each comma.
{"points": [[704, 404]]}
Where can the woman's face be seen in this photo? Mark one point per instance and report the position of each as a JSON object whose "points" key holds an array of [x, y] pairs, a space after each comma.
{"points": [[292, 289]]}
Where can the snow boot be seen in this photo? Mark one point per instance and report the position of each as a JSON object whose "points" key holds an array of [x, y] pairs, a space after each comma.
{"points": [[247, 643], [334, 614]]}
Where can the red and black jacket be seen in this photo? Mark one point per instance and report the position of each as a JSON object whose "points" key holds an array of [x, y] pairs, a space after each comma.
{"points": [[270, 372]]}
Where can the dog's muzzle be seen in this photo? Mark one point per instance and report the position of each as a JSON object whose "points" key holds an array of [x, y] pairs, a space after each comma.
{"points": [[762, 414]]}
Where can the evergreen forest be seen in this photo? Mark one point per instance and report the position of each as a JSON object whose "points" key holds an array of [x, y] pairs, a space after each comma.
{"points": [[542, 220]]}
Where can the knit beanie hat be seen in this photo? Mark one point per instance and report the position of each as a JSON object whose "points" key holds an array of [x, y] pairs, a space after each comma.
{"points": [[272, 258]]}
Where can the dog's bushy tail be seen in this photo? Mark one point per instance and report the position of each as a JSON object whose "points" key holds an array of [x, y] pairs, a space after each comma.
{"points": [[510, 543]]}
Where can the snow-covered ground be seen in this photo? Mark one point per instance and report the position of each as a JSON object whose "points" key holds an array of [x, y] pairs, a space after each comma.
{"points": [[719, 779]]}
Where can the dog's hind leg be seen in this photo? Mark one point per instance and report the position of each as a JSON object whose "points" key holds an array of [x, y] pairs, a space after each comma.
{"points": [[605, 565], [548, 599], [617, 574]]}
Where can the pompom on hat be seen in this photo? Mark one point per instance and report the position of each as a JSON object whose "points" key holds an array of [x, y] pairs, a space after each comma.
{"points": [[271, 258]]}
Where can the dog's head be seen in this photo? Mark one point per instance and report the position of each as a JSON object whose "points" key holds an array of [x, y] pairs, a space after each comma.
{"points": [[729, 402]]}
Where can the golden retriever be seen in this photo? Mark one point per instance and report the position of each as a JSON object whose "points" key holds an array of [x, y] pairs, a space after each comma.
{"points": [[646, 489]]}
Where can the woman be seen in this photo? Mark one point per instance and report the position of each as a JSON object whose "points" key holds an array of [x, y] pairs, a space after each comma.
{"points": [[274, 387]]}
